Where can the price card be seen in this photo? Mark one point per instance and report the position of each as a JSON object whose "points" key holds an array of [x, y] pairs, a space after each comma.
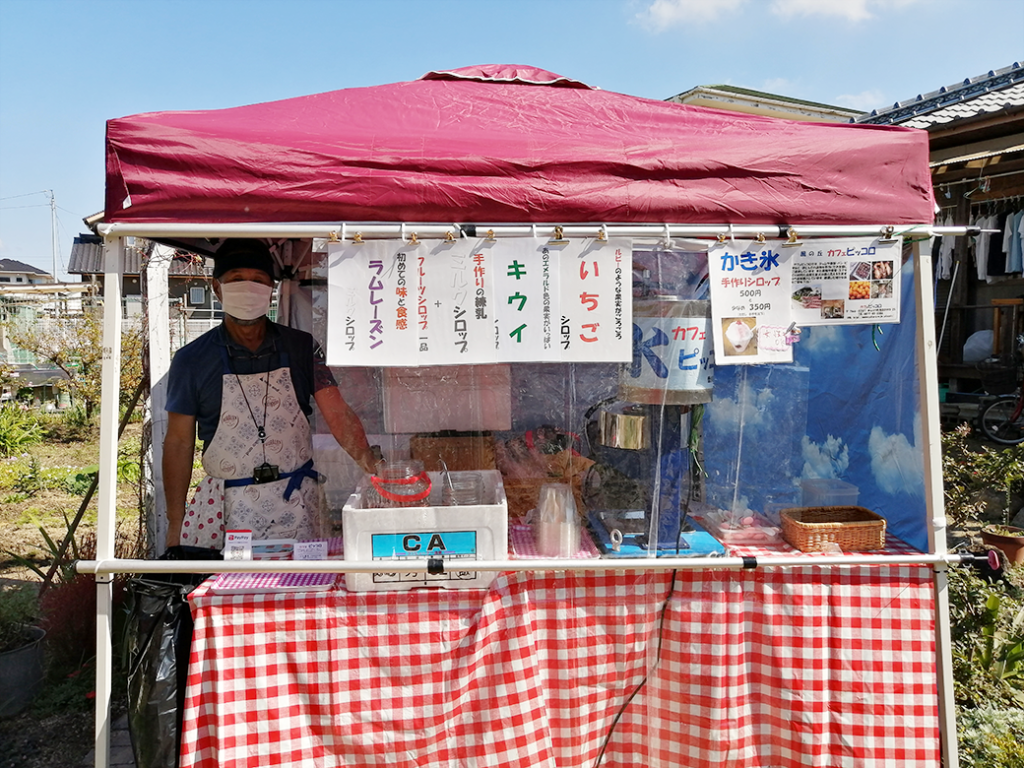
{"points": [[310, 550], [238, 545]]}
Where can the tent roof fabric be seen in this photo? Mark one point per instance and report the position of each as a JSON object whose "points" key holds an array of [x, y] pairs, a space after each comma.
{"points": [[507, 144]]}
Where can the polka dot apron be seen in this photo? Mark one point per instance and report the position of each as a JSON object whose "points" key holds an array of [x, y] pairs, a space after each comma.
{"points": [[287, 508]]}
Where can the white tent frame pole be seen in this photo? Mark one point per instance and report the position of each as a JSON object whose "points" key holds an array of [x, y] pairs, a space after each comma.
{"points": [[113, 261], [345, 230], [928, 376], [107, 564], [423, 565], [157, 270]]}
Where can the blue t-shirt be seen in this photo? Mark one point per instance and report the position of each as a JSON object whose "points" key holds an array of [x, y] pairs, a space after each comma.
{"points": [[194, 380]]}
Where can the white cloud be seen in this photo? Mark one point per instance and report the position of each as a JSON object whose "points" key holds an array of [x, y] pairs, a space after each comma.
{"points": [[829, 459], [663, 14], [851, 10], [660, 15], [896, 463], [749, 406], [779, 85], [821, 338], [865, 101]]}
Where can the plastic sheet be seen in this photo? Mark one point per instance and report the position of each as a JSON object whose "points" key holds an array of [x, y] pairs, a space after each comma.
{"points": [[158, 640], [843, 414]]}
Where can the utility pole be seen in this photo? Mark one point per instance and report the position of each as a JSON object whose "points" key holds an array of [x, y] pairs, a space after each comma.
{"points": [[53, 231]]}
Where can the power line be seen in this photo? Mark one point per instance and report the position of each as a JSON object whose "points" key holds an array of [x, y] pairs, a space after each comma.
{"points": [[28, 194]]}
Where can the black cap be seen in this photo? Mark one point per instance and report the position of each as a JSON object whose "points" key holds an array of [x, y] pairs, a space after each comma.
{"points": [[243, 253]]}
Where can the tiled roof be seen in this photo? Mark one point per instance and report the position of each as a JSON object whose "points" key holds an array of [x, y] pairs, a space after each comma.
{"points": [[989, 102], [10, 265], [87, 259], [995, 91]]}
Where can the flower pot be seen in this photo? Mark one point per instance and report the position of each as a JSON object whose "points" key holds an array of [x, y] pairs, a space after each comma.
{"points": [[1011, 546], [21, 674]]}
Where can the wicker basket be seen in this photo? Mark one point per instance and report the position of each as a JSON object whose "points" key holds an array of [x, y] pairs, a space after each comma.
{"points": [[998, 377], [854, 529]]}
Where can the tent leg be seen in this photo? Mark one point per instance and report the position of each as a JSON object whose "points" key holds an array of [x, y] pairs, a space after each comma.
{"points": [[928, 373], [113, 253]]}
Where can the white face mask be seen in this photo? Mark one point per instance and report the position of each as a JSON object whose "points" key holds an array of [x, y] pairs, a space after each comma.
{"points": [[245, 300]]}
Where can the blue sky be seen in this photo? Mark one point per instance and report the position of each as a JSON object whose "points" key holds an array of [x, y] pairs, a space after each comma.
{"points": [[67, 66]]}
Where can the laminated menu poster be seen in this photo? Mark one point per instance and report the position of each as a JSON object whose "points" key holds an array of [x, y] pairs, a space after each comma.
{"points": [[471, 302], [750, 309], [846, 281], [761, 292]]}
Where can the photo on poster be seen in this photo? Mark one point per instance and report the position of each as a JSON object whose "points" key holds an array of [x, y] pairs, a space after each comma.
{"points": [[846, 281]]}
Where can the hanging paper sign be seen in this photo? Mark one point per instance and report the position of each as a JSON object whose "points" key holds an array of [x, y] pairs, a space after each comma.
{"points": [[750, 302], [594, 318], [526, 277], [846, 281], [373, 302], [455, 304]]}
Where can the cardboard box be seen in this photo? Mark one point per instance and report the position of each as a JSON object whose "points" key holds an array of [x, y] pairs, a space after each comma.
{"points": [[458, 535], [460, 453]]}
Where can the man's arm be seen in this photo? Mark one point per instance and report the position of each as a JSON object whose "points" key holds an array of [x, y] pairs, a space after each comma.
{"points": [[345, 426], [179, 454]]}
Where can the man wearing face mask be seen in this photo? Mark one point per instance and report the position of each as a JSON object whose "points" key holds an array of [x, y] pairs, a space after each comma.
{"points": [[246, 387]]}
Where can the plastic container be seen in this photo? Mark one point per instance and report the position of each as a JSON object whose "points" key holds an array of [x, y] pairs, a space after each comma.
{"points": [[750, 530], [828, 492], [400, 483]]}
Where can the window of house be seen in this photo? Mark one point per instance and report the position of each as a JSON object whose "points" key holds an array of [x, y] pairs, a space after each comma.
{"points": [[197, 296]]}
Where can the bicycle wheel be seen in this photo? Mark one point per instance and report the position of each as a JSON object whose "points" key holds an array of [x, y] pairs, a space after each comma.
{"points": [[998, 423]]}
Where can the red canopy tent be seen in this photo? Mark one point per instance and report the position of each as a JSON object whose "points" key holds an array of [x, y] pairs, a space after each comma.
{"points": [[507, 144], [498, 144]]}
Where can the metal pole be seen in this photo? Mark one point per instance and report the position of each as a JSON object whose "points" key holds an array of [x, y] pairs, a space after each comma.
{"points": [[949, 301], [419, 566], [347, 230], [928, 377], [113, 253]]}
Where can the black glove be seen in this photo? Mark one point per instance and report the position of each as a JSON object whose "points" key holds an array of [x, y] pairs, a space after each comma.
{"points": [[181, 552]]}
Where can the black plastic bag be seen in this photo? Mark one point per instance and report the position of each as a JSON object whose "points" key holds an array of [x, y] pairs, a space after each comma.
{"points": [[157, 647]]}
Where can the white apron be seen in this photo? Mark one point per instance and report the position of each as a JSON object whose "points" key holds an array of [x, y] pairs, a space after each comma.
{"points": [[287, 508]]}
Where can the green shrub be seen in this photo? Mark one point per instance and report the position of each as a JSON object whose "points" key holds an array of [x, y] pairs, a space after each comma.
{"points": [[990, 738], [71, 425], [18, 608], [987, 629], [968, 470], [18, 430]]}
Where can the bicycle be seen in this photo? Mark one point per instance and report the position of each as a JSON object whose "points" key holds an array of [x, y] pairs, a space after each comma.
{"points": [[1002, 420]]}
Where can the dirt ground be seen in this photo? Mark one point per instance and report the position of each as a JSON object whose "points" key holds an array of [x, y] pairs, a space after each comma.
{"points": [[56, 739]]}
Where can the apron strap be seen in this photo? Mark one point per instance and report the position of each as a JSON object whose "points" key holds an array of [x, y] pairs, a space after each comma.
{"points": [[294, 479]]}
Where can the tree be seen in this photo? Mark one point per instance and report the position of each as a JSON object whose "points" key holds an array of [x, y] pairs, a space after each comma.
{"points": [[73, 342]]}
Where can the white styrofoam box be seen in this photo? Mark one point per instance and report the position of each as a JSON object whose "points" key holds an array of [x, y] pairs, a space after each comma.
{"points": [[463, 398], [458, 535], [828, 492]]}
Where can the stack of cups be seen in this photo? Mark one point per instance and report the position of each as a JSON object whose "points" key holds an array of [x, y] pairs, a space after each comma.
{"points": [[558, 527], [462, 489]]}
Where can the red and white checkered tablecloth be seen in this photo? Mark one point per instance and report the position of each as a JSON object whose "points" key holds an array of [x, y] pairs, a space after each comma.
{"points": [[813, 666]]}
